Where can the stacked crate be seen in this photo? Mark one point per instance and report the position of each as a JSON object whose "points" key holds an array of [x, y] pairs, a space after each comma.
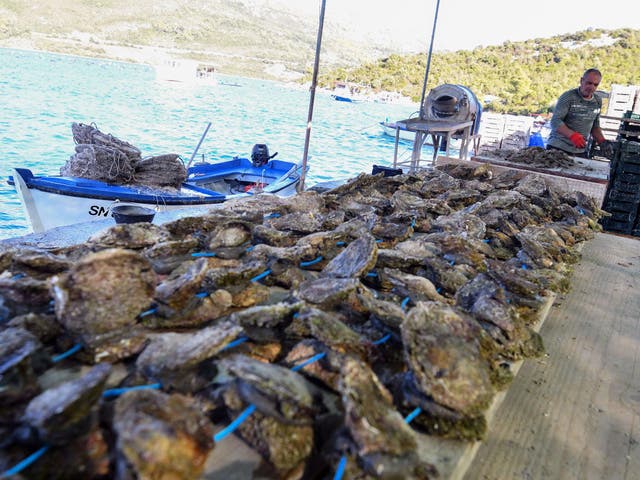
{"points": [[622, 198]]}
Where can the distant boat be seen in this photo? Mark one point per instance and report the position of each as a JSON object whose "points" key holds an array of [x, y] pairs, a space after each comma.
{"points": [[54, 201], [342, 92], [185, 71], [389, 128]]}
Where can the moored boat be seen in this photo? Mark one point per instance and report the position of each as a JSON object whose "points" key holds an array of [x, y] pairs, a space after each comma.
{"points": [[53, 201]]}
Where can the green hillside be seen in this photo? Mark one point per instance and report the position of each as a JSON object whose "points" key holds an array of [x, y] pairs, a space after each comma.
{"points": [[515, 77]]}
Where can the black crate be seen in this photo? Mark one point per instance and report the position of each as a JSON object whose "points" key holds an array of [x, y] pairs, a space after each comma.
{"points": [[623, 166], [623, 177], [615, 194], [610, 225], [626, 187], [386, 171]]}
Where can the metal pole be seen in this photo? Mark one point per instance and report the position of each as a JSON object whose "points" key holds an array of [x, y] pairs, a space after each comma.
{"points": [[314, 81], [426, 73], [198, 146]]}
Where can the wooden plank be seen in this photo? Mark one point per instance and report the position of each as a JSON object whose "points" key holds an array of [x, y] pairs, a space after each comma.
{"points": [[574, 414]]}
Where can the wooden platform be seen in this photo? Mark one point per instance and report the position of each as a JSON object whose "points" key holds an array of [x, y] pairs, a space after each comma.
{"points": [[575, 414]]}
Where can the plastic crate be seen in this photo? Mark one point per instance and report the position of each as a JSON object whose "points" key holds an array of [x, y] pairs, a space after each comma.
{"points": [[619, 195], [623, 166], [610, 225]]}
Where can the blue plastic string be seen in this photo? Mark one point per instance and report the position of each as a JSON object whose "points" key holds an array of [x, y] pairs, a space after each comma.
{"points": [[249, 248], [234, 343], [18, 276], [76, 348], [409, 418], [404, 303], [272, 215], [261, 276], [235, 424], [24, 463], [203, 254], [413, 222], [372, 274], [202, 294], [311, 262], [341, 468], [309, 361], [382, 340], [524, 266], [341, 243], [379, 241], [151, 311], [116, 392]]}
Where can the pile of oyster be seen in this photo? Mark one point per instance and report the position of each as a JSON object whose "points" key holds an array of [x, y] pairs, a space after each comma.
{"points": [[342, 325]]}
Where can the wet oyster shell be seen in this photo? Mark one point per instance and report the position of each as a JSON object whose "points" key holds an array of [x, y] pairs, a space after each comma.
{"points": [[173, 358], [68, 410], [444, 356], [160, 436]]}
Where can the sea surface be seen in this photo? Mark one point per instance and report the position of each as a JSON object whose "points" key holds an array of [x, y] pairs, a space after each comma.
{"points": [[42, 94]]}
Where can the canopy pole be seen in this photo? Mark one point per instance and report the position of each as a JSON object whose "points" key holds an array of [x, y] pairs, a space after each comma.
{"points": [[426, 73], [193, 155], [314, 82]]}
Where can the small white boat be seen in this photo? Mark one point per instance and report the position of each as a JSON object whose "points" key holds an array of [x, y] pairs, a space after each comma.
{"points": [[186, 71], [389, 128], [54, 201]]}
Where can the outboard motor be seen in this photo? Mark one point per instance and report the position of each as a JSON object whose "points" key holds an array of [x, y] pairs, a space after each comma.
{"points": [[260, 155], [452, 103]]}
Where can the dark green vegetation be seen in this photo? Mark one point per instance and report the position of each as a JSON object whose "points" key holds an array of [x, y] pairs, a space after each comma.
{"points": [[515, 77], [267, 42]]}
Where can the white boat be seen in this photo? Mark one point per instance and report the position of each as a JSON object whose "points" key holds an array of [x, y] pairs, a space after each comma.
{"points": [[389, 128], [186, 71], [54, 201]]}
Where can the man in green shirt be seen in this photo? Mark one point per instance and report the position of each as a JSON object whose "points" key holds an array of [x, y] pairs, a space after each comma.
{"points": [[576, 117]]}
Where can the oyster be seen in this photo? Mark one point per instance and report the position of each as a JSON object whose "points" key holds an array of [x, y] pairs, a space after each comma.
{"points": [[355, 260], [443, 353], [383, 442], [60, 413], [160, 436], [99, 298], [173, 359]]}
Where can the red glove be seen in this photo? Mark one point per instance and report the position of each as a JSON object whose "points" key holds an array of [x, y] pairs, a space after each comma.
{"points": [[578, 140]]}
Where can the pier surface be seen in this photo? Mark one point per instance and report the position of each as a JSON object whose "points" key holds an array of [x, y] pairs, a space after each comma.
{"points": [[575, 413]]}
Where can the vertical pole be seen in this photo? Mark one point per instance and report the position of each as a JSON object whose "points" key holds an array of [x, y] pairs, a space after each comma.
{"points": [[314, 82], [426, 73]]}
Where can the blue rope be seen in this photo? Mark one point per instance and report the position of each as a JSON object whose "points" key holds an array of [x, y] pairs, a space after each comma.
{"points": [[151, 311], [116, 392], [340, 243], [372, 274], [203, 254], [382, 340], [234, 343], [273, 215], [24, 463], [261, 276], [341, 468], [404, 303], [311, 262], [235, 424], [76, 348], [409, 418], [309, 361], [202, 294]]}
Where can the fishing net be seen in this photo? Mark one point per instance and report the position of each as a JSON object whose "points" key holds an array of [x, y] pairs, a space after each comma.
{"points": [[101, 156], [162, 170], [99, 162]]}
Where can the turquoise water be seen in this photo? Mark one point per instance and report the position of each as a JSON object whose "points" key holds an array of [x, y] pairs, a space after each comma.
{"points": [[42, 94]]}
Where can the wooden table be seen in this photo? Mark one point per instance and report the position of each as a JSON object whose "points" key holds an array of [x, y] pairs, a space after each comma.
{"points": [[439, 130]]}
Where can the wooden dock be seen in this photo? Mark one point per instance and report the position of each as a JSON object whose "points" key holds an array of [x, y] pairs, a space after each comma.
{"points": [[575, 414]]}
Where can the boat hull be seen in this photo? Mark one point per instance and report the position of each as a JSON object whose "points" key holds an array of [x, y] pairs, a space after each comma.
{"points": [[51, 202]]}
